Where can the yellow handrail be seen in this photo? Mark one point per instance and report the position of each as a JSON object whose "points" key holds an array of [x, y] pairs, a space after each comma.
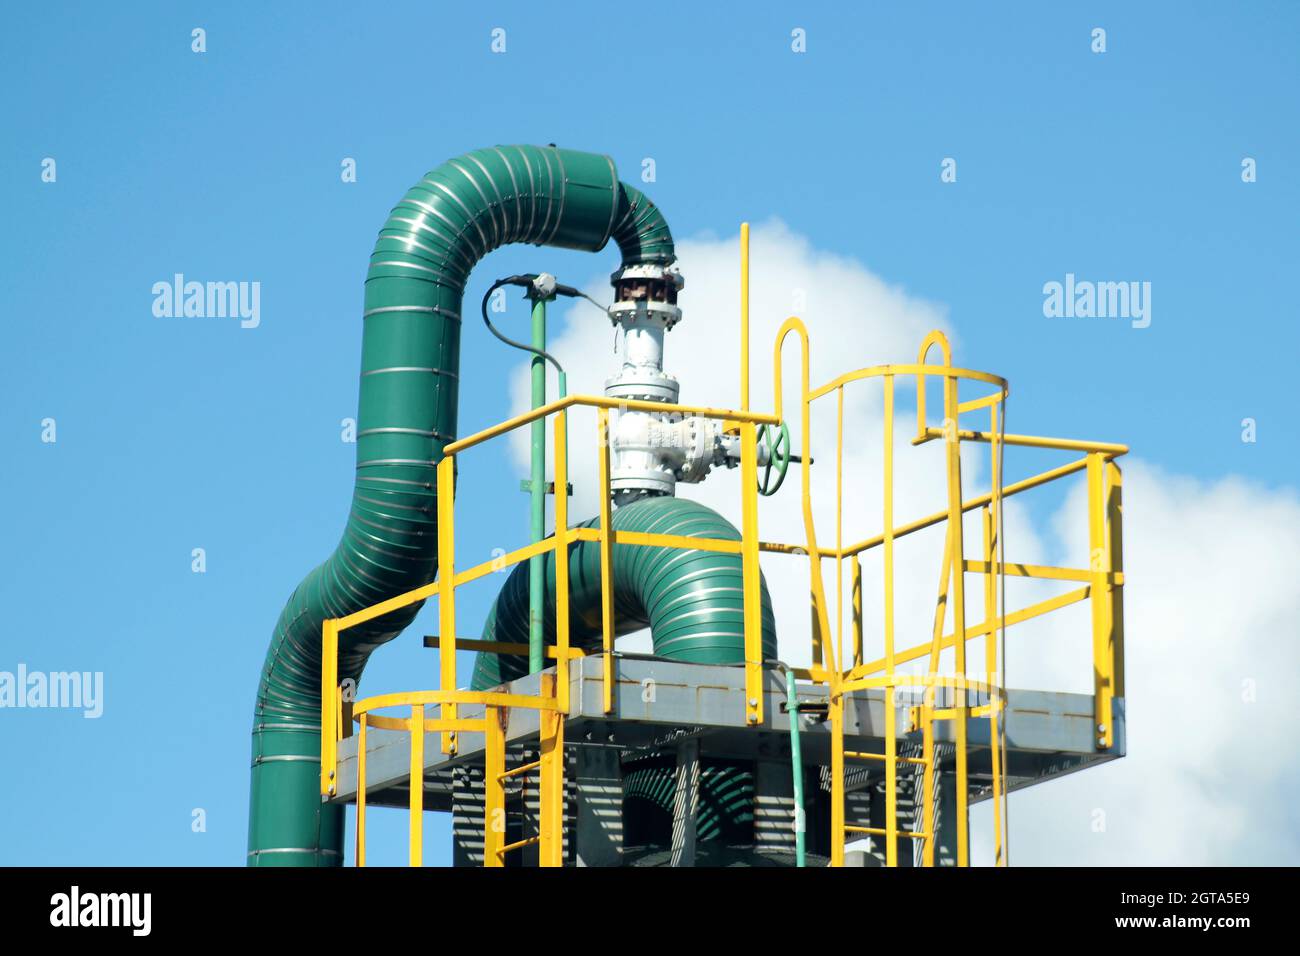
{"points": [[601, 401], [1102, 582]]}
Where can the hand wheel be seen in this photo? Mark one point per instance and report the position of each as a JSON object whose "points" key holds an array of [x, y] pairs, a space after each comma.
{"points": [[777, 441]]}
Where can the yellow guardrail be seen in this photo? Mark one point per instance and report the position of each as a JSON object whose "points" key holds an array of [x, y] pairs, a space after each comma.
{"points": [[1102, 583], [603, 533], [553, 702], [1103, 580]]}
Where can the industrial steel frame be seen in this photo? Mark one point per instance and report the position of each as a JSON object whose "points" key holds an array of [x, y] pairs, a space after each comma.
{"points": [[1102, 583]]}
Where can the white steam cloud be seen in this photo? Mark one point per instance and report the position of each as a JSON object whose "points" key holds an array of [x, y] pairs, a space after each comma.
{"points": [[1211, 602]]}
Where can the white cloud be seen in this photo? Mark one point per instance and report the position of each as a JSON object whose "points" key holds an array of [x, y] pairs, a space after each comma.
{"points": [[1213, 649], [1211, 601], [849, 311]]}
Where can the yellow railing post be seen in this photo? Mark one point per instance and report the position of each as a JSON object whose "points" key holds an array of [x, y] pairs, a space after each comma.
{"points": [[551, 824], [744, 316], [997, 734], [941, 603], [820, 621], [361, 791], [329, 683], [997, 552], [494, 797], [753, 612], [935, 337], [837, 774], [1099, 562], [891, 729], [991, 668], [838, 652], [1115, 526], [927, 798], [855, 572], [562, 561], [952, 444], [417, 785], [447, 592], [606, 563]]}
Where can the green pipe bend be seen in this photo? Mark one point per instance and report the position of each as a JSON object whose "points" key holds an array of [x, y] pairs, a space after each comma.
{"points": [[410, 367], [692, 601]]}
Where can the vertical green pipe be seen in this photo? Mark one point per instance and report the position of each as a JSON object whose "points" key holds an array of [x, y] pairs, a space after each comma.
{"points": [[796, 763], [537, 565]]}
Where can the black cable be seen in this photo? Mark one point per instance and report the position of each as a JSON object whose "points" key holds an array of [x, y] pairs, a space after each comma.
{"points": [[573, 293], [527, 282], [505, 338]]}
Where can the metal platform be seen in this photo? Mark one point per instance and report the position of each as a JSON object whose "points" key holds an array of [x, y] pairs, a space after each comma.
{"points": [[658, 703]]}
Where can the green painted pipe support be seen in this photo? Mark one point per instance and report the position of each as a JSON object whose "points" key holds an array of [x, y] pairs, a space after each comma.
{"points": [[536, 573], [796, 764]]}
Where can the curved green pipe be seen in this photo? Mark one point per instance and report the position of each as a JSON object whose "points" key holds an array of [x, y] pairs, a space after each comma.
{"points": [[410, 358], [692, 601], [726, 796]]}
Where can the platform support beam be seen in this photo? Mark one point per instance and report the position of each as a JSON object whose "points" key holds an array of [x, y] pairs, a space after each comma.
{"points": [[773, 806], [599, 798], [686, 802], [947, 832]]}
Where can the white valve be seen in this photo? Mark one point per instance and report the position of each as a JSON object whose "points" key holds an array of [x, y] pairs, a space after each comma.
{"points": [[653, 451]]}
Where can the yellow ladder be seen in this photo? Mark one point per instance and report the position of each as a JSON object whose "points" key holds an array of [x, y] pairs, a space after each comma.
{"points": [[550, 767]]}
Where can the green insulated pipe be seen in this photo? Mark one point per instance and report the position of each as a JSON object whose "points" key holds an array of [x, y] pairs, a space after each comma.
{"points": [[692, 601], [410, 358]]}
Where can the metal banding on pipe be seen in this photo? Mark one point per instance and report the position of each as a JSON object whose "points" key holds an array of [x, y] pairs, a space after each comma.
{"points": [[414, 288], [312, 852], [411, 368]]}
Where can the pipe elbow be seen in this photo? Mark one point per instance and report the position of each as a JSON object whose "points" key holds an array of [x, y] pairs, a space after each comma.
{"points": [[409, 393], [693, 601]]}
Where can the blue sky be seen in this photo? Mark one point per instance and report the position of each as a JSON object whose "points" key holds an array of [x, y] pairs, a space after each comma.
{"points": [[182, 433]]}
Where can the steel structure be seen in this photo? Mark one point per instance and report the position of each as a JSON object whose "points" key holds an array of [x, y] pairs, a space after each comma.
{"points": [[862, 718]]}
